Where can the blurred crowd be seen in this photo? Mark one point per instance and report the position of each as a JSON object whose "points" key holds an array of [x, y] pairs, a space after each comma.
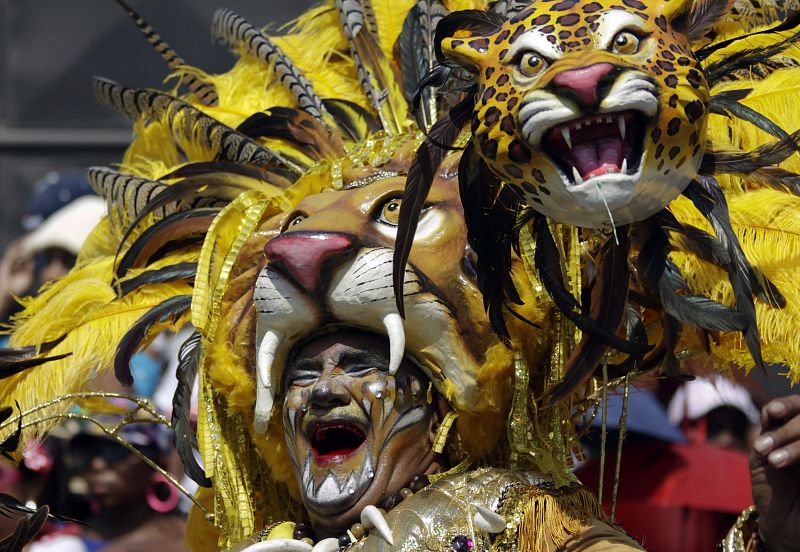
{"points": [[682, 480]]}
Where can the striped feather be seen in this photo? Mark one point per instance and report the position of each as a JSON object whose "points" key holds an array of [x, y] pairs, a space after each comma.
{"points": [[417, 55], [191, 123], [510, 8], [206, 93], [374, 72], [236, 32], [126, 195]]}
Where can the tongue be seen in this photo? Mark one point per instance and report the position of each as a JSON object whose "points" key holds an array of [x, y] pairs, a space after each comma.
{"points": [[593, 158]]}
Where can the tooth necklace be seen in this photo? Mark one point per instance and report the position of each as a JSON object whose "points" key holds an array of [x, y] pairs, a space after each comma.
{"points": [[371, 518]]}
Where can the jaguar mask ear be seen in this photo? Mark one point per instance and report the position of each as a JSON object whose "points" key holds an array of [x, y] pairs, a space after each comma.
{"points": [[463, 37], [469, 53]]}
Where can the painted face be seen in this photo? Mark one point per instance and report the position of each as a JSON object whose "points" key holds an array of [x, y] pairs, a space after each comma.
{"points": [[354, 432]]}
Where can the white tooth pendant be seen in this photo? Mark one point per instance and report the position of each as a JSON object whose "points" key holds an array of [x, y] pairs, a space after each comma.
{"points": [[577, 176], [372, 518], [397, 340], [621, 123], [280, 545], [326, 545], [264, 396], [565, 133], [488, 520]]}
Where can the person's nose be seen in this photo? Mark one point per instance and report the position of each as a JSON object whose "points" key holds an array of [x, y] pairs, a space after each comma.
{"points": [[98, 464], [328, 392]]}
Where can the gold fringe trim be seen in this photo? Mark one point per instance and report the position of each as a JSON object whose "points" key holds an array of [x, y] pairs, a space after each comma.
{"points": [[549, 519]]}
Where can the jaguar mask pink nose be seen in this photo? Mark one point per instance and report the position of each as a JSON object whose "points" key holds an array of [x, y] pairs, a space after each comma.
{"points": [[583, 83]]}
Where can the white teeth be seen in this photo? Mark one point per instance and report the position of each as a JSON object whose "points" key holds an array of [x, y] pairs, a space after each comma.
{"points": [[577, 126], [488, 520], [371, 518], [608, 119], [326, 545], [397, 340], [282, 545], [565, 133], [621, 123], [624, 168], [264, 396], [577, 176]]}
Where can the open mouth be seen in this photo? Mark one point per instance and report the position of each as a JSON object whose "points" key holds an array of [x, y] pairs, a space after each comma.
{"points": [[597, 145], [333, 442]]}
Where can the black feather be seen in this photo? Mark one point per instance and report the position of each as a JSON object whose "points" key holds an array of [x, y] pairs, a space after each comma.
{"points": [[177, 226], [351, 119], [762, 157], [727, 103], [709, 199], [494, 216], [709, 249], [546, 262], [418, 183], [8, 369], [704, 15], [11, 443], [635, 332], [130, 343], [186, 372], [184, 196], [664, 279], [745, 59], [790, 22], [9, 505], [171, 273], [608, 300], [477, 21], [14, 354], [25, 531]]}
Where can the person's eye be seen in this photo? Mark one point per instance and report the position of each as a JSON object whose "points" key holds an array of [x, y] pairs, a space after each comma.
{"points": [[360, 369], [303, 378]]}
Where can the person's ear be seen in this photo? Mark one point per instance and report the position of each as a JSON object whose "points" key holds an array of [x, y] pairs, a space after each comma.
{"points": [[440, 408]]}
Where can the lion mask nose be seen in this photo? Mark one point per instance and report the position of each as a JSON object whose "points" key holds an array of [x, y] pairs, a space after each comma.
{"points": [[302, 254]]}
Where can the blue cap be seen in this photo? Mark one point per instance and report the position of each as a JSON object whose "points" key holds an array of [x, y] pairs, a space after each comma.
{"points": [[646, 416], [51, 193]]}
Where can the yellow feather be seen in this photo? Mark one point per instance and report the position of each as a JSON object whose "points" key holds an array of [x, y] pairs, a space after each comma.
{"points": [[767, 223], [390, 15]]}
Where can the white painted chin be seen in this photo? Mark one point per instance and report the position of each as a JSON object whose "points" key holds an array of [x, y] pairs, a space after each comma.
{"points": [[629, 198]]}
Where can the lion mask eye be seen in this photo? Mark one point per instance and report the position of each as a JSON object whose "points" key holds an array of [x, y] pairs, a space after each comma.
{"points": [[625, 43], [389, 212], [295, 220], [531, 64]]}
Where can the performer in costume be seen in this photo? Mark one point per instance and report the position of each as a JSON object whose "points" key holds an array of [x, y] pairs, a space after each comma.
{"points": [[189, 235]]}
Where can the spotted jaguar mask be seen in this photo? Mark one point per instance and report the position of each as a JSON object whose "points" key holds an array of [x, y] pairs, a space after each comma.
{"points": [[594, 111]]}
